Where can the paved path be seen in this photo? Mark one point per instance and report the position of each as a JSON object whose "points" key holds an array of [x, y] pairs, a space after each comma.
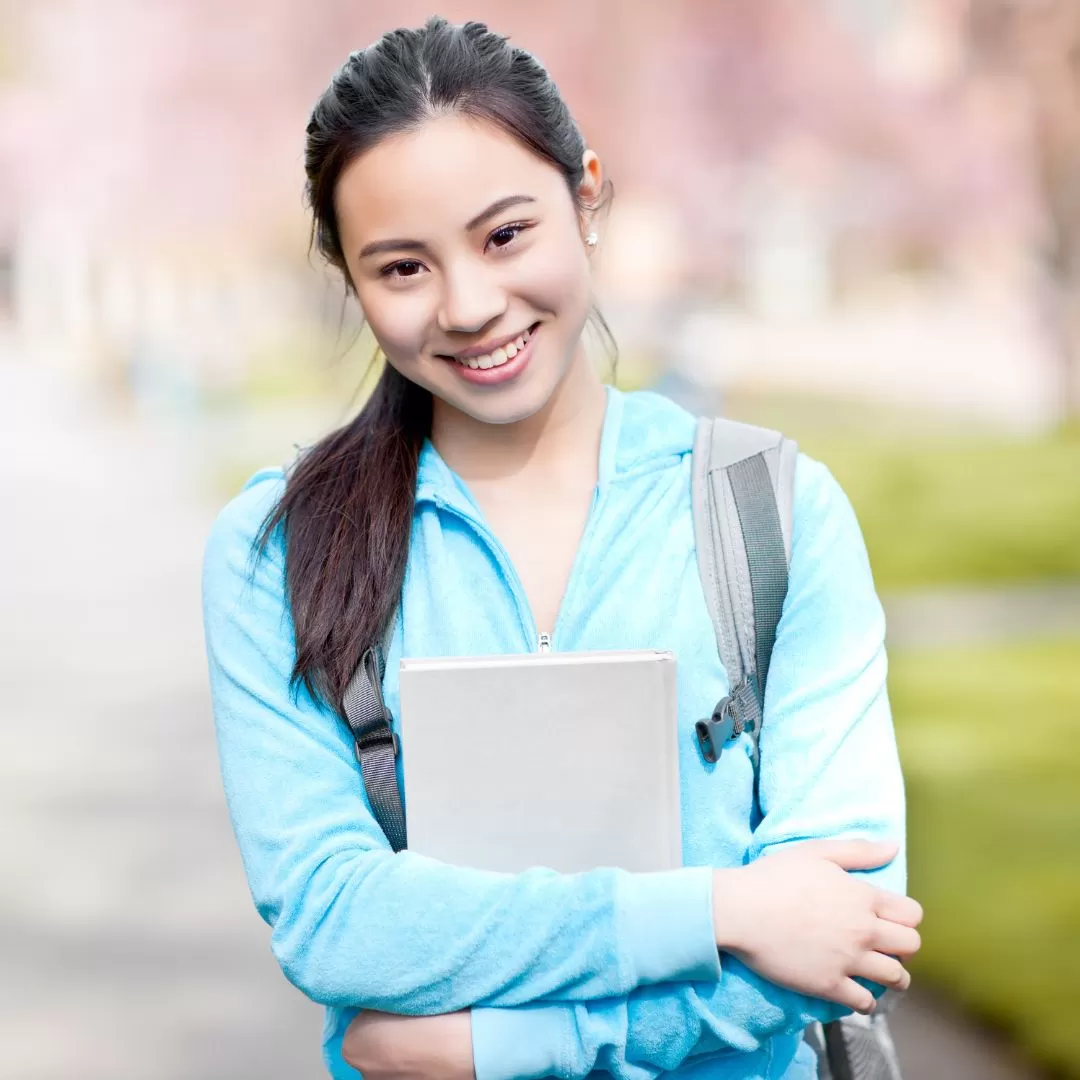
{"points": [[974, 616], [130, 949], [934, 1042]]}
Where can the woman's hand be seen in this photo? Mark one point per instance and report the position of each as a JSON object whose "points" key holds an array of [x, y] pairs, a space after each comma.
{"points": [[387, 1047], [800, 920]]}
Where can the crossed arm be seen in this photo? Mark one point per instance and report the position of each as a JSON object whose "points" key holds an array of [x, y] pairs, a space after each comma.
{"points": [[636, 1037], [796, 902], [539, 974]]}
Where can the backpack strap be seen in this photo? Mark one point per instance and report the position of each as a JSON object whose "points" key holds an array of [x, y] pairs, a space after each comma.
{"points": [[742, 494], [377, 746]]}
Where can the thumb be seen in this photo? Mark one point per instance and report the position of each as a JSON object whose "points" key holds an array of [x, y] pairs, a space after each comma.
{"points": [[851, 854]]}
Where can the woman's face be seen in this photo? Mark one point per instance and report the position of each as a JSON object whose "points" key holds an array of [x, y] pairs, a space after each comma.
{"points": [[467, 257]]}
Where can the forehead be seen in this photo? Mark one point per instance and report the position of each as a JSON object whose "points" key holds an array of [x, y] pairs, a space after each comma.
{"points": [[438, 176]]}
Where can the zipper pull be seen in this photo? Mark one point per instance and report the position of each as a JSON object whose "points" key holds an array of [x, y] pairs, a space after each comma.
{"points": [[543, 643]]}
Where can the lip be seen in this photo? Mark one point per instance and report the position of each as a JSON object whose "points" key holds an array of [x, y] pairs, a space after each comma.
{"points": [[496, 375], [487, 346]]}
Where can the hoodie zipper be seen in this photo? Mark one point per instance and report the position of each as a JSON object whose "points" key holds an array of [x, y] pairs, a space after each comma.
{"points": [[521, 601], [543, 641]]}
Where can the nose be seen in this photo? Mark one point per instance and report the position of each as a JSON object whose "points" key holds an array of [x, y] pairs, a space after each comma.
{"points": [[471, 299]]}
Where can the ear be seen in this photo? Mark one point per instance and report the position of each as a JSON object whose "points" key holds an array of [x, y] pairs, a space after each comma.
{"points": [[592, 181]]}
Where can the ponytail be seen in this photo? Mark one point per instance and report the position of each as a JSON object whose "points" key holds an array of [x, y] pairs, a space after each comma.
{"points": [[347, 516]]}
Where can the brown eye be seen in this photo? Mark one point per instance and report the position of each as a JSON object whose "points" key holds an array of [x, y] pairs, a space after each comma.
{"points": [[406, 268], [503, 237]]}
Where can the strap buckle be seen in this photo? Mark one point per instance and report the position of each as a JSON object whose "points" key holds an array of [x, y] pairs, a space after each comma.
{"points": [[375, 734], [713, 733]]}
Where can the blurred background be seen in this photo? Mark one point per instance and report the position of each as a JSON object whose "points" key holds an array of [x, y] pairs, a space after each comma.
{"points": [[855, 220]]}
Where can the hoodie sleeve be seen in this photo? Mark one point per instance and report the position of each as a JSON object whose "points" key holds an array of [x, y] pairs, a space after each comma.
{"points": [[355, 925], [829, 768]]}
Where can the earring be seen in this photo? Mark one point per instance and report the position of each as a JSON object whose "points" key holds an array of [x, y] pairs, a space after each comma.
{"points": [[591, 240]]}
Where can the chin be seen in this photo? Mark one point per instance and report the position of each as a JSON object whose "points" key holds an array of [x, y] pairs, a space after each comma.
{"points": [[509, 406]]}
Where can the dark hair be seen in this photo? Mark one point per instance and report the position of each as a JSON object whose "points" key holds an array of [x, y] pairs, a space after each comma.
{"points": [[348, 502]]}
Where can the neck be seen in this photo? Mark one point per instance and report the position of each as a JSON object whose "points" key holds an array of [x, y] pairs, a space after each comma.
{"points": [[566, 428]]}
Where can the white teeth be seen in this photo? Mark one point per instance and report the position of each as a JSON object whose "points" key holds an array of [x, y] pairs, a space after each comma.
{"points": [[497, 357]]}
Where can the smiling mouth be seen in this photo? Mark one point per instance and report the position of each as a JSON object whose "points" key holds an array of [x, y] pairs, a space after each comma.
{"points": [[497, 357]]}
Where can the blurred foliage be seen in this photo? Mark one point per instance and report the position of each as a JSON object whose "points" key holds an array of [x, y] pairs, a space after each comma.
{"points": [[10, 32], [308, 368], [989, 745], [982, 511], [940, 506]]}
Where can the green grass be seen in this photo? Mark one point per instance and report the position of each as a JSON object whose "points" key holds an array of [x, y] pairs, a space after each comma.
{"points": [[990, 741], [940, 506]]}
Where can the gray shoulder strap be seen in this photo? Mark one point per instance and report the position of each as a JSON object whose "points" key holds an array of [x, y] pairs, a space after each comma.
{"points": [[743, 494], [377, 746], [743, 497]]}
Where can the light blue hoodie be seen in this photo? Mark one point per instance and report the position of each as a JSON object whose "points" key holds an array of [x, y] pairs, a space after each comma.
{"points": [[605, 971]]}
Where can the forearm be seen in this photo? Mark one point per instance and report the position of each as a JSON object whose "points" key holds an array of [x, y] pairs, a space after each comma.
{"points": [[406, 935], [651, 1031]]}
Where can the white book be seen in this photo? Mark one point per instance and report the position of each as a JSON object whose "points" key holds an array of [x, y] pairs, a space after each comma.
{"points": [[564, 760]]}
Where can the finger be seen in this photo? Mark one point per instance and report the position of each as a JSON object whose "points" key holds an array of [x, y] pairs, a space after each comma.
{"points": [[896, 940], [854, 996], [852, 854], [897, 908], [883, 970]]}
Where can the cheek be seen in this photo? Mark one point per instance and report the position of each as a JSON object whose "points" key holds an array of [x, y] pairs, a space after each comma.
{"points": [[557, 279], [399, 322]]}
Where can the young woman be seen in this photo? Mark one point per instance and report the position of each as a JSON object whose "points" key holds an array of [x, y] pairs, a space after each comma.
{"points": [[492, 489]]}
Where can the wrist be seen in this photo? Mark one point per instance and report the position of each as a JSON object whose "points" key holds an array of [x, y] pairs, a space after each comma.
{"points": [[730, 908]]}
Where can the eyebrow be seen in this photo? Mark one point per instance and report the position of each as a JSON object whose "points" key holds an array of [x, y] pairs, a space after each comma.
{"points": [[497, 207], [378, 247]]}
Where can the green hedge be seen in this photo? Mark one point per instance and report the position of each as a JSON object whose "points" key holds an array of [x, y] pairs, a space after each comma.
{"points": [[942, 504], [990, 742], [968, 512]]}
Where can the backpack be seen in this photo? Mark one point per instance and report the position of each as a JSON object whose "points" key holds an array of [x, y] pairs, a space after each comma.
{"points": [[742, 494]]}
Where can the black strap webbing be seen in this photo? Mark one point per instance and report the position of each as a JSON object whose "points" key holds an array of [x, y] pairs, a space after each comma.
{"points": [[765, 555], [376, 747]]}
